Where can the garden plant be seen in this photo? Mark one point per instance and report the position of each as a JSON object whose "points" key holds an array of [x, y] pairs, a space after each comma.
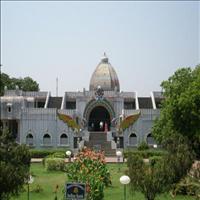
{"points": [[160, 174], [90, 168]]}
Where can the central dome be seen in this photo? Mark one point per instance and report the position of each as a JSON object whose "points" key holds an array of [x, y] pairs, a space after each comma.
{"points": [[104, 76]]}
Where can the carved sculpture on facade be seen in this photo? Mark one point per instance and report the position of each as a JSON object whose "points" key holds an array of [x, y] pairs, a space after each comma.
{"points": [[99, 93]]}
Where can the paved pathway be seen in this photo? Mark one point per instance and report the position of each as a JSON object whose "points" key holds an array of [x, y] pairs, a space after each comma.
{"points": [[108, 160]]}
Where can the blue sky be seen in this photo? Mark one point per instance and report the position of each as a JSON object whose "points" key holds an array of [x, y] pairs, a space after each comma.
{"points": [[145, 41]]}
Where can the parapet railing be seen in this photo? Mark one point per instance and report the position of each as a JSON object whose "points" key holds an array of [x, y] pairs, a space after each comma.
{"points": [[23, 93]]}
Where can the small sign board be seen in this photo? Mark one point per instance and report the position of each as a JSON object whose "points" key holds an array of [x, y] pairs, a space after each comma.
{"points": [[75, 191]]}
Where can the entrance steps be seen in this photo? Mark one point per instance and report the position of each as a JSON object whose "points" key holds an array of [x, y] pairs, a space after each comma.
{"points": [[98, 141]]}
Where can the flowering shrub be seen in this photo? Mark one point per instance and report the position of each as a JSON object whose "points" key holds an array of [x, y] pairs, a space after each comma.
{"points": [[90, 168]]}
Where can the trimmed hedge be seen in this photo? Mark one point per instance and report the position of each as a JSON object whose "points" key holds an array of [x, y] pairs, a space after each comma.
{"points": [[55, 164], [154, 159], [42, 153], [56, 155], [144, 154], [143, 146]]}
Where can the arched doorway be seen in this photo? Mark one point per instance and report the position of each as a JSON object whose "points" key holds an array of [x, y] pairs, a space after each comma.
{"points": [[99, 118]]}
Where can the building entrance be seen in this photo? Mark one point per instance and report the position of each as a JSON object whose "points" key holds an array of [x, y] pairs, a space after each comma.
{"points": [[99, 119]]}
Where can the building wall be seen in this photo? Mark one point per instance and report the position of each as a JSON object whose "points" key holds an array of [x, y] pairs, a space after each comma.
{"points": [[41, 121], [142, 127]]}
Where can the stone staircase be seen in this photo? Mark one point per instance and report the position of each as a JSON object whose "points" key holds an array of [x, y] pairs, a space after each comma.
{"points": [[98, 141]]}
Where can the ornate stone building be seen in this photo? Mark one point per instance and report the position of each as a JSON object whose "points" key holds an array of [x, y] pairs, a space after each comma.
{"points": [[103, 117]]}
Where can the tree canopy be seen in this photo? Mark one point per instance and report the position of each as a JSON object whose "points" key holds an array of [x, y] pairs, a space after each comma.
{"points": [[180, 112], [25, 84], [14, 165], [159, 175]]}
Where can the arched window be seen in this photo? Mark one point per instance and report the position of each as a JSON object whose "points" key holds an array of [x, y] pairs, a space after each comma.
{"points": [[46, 139], [29, 139], [9, 107], [63, 139], [150, 139], [133, 139]]}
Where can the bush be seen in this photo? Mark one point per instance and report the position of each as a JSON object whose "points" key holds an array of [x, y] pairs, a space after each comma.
{"points": [[162, 173], [143, 146], [195, 171], [190, 185], [154, 159], [144, 177], [144, 154], [36, 153], [42, 153], [14, 165], [56, 155], [90, 168], [56, 164], [187, 187]]}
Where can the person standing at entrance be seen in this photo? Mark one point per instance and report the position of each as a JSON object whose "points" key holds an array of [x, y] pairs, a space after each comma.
{"points": [[106, 127], [92, 126], [101, 126]]}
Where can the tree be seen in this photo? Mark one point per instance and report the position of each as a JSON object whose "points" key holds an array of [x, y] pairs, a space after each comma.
{"points": [[4, 81], [14, 165], [28, 84], [25, 84], [180, 112], [160, 176]]}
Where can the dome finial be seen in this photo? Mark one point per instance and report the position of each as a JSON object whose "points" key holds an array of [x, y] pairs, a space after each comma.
{"points": [[104, 58]]}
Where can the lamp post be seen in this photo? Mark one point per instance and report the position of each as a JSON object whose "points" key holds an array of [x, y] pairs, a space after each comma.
{"points": [[79, 139], [155, 146], [124, 180], [69, 153], [29, 181], [118, 142], [78, 143], [118, 154]]}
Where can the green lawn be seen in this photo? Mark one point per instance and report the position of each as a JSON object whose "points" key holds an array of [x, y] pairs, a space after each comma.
{"points": [[49, 180]]}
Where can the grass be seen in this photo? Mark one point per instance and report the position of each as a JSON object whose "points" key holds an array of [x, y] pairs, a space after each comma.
{"points": [[49, 180]]}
